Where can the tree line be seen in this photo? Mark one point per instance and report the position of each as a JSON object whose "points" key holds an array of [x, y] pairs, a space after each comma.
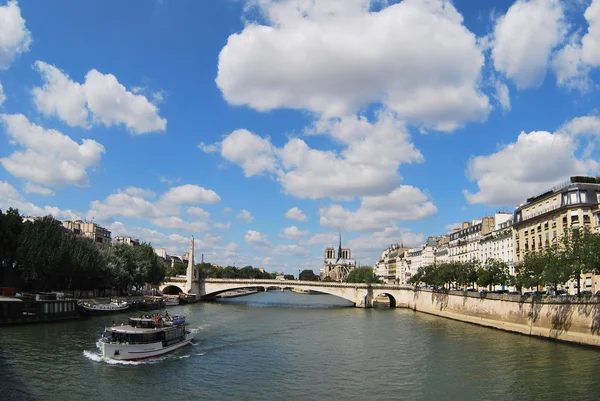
{"points": [[45, 257], [576, 252]]}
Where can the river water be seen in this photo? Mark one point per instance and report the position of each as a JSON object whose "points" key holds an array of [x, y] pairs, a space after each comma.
{"points": [[288, 346]]}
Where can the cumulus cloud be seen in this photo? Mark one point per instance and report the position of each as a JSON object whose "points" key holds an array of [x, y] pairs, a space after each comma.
{"points": [[365, 166], [100, 97], [10, 197], [199, 212], [50, 157], [37, 189], [245, 215], [295, 214], [336, 60], [323, 239], [163, 212], [292, 233], [189, 194], [258, 241], [375, 212], [368, 247], [576, 58], [534, 163], [524, 38], [15, 38]]}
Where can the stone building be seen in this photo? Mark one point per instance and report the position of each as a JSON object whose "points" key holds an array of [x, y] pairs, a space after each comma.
{"points": [[88, 229], [126, 240], [337, 267], [464, 242], [498, 243], [542, 220]]}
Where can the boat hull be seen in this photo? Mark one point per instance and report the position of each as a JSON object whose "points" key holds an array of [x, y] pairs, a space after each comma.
{"points": [[132, 352], [104, 310]]}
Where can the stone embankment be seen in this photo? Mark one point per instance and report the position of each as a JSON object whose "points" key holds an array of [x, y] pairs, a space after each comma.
{"points": [[572, 319]]}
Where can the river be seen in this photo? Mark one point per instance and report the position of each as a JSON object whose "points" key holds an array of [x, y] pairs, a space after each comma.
{"points": [[287, 346]]}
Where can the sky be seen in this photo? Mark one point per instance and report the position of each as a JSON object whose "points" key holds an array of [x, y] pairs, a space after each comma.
{"points": [[266, 127]]}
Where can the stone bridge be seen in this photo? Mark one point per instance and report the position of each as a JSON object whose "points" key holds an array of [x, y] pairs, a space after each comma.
{"points": [[362, 295]]}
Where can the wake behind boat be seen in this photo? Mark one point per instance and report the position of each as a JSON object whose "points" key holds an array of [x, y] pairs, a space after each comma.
{"points": [[145, 337]]}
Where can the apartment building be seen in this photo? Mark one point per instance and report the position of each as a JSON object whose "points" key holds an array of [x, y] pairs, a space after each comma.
{"points": [[464, 242], [88, 229], [126, 240], [498, 243], [542, 219]]}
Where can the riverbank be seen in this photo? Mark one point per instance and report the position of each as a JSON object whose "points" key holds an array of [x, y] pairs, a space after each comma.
{"points": [[569, 319]]}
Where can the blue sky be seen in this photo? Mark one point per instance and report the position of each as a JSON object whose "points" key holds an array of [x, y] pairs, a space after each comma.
{"points": [[266, 127]]}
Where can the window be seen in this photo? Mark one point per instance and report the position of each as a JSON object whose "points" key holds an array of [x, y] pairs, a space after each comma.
{"points": [[574, 219], [583, 197], [572, 198]]}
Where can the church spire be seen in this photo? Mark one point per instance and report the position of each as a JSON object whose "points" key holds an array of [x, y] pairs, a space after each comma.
{"points": [[340, 247]]}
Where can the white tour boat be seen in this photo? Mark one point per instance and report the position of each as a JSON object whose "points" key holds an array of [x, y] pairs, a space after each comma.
{"points": [[115, 306], [145, 338]]}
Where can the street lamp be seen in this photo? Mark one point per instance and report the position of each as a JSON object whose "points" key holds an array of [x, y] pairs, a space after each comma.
{"points": [[298, 274]]}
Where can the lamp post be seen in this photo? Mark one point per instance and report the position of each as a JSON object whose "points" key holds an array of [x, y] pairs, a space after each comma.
{"points": [[298, 274]]}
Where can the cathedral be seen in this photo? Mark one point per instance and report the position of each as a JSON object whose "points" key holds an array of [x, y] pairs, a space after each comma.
{"points": [[337, 268]]}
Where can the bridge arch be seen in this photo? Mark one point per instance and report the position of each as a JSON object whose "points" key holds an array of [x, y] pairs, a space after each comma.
{"points": [[389, 296], [172, 289]]}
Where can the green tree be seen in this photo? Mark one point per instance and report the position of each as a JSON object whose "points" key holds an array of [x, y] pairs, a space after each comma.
{"points": [[557, 269], [308, 275], [11, 226], [364, 274], [581, 252], [530, 272], [176, 269], [288, 277], [494, 272]]}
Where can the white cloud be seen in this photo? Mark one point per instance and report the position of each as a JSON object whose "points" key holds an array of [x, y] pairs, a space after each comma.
{"points": [[251, 152], [334, 60], [136, 203], [503, 95], [222, 226], [586, 125], [534, 163], [244, 215], [208, 148], [101, 96], [226, 211], [375, 212], [524, 39], [176, 223], [126, 205], [10, 197], [291, 250], [367, 248], [2, 95], [167, 180], [574, 61], [292, 233], [323, 239], [37, 189], [258, 241], [295, 214], [197, 211], [189, 194], [50, 157], [7, 191], [15, 38], [365, 166]]}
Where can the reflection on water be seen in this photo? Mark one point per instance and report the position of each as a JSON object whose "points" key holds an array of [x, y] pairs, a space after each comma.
{"points": [[287, 346]]}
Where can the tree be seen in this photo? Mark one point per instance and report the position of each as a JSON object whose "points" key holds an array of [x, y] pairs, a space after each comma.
{"points": [[288, 277], [581, 252], [494, 272], [530, 272], [308, 275], [176, 269], [364, 274], [557, 269]]}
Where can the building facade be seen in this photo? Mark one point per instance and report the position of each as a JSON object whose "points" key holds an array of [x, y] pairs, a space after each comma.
{"points": [[88, 229], [126, 240], [337, 268], [464, 243], [498, 244]]}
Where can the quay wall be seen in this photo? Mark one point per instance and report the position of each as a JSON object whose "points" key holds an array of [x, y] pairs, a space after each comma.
{"points": [[571, 319]]}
